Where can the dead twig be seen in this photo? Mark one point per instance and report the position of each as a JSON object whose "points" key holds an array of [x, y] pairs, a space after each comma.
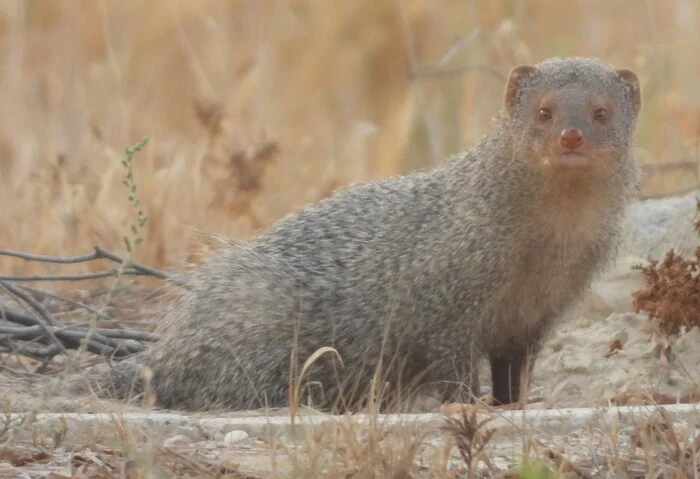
{"points": [[28, 332], [37, 333], [130, 268], [102, 340], [97, 253], [74, 277], [40, 309], [45, 294], [32, 351]]}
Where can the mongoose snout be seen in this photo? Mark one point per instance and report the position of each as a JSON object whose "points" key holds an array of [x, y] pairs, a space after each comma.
{"points": [[571, 138]]}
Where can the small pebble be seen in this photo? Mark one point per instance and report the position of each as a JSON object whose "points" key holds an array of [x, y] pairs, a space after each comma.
{"points": [[235, 437], [178, 440], [209, 445]]}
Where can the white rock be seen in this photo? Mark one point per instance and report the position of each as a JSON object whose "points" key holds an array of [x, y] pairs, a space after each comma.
{"points": [[612, 293], [652, 227], [178, 440], [235, 437]]}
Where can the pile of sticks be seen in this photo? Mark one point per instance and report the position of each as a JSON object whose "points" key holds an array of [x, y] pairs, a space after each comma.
{"points": [[28, 328]]}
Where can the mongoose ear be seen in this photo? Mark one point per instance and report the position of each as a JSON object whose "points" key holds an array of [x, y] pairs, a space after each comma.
{"points": [[517, 75], [630, 78]]}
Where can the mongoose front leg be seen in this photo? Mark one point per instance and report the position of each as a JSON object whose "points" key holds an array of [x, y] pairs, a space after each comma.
{"points": [[509, 372]]}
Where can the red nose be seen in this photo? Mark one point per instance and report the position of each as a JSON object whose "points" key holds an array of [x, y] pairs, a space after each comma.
{"points": [[571, 138]]}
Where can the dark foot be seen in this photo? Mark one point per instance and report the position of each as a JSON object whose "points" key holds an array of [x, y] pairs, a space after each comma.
{"points": [[506, 376]]}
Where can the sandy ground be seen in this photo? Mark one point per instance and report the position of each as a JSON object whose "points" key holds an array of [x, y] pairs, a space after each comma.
{"points": [[574, 369]]}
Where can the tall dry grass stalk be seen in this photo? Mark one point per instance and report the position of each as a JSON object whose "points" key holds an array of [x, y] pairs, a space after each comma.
{"points": [[255, 108]]}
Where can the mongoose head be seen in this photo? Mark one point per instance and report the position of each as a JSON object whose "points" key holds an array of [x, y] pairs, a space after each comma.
{"points": [[572, 114]]}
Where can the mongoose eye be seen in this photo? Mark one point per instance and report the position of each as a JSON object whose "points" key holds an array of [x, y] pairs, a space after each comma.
{"points": [[545, 114], [600, 114]]}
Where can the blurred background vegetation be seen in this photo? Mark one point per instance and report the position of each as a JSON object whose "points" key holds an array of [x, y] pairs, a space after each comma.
{"points": [[255, 107]]}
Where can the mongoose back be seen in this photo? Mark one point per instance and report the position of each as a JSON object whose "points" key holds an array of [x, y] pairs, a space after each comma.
{"points": [[415, 278]]}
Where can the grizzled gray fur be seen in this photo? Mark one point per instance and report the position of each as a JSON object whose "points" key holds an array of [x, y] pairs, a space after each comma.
{"points": [[417, 276]]}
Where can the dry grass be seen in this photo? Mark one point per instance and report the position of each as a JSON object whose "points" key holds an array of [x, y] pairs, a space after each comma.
{"points": [[655, 445]]}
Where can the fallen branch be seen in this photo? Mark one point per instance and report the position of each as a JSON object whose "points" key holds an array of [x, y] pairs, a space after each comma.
{"points": [[40, 309], [29, 332], [97, 253], [35, 332], [103, 341], [46, 294], [55, 330], [32, 351], [74, 277]]}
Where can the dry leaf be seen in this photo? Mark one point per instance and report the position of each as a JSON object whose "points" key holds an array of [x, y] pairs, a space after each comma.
{"points": [[672, 290], [613, 348], [20, 459]]}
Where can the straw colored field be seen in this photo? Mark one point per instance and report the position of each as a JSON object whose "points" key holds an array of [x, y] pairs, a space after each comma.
{"points": [[255, 107]]}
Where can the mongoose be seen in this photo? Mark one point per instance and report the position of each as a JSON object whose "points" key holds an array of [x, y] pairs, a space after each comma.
{"points": [[414, 278]]}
